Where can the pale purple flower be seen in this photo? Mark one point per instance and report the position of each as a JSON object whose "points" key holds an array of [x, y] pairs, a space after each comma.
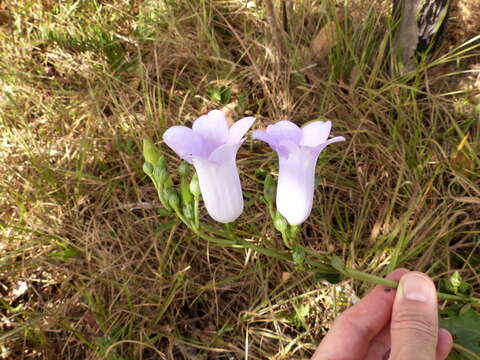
{"points": [[298, 150], [211, 146]]}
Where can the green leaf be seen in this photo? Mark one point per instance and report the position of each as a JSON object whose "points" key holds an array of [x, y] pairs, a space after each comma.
{"points": [[65, 254], [214, 94], [465, 328], [225, 95], [164, 227], [221, 94], [299, 317], [337, 263]]}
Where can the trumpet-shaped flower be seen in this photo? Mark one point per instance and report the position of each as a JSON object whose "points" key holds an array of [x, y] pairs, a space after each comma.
{"points": [[298, 150], [211, 146]]}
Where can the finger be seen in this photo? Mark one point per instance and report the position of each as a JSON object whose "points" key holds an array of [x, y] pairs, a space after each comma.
{"points": [[352, 331], [380, 345], [414, 324], [445, 343]]}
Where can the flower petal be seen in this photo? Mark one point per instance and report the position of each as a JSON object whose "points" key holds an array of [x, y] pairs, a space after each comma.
{"points": [[270, 140], [288, 147], [184, 142], [239, 128], [315, 133], [285, 130], [224, 153], [318, 149], [266, 137], [221, 188], [296, 182], [213, 129]]}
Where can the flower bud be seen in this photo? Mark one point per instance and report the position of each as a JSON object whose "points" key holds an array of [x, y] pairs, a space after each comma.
{"points": [[161, 162], [185, 192], [160, 174], [147, 168], [188, 211], [183, 169], [280, 223], [150, 152], [173, 199], [195, 186]]}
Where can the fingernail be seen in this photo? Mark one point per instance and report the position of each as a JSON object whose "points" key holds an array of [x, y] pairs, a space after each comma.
{"points": [[416, 287]]}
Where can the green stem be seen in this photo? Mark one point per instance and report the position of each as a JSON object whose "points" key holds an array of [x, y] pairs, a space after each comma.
{"points": [[183, 218], [159, 188], [359, 275], [318, 266], [443, 296], [240, 243], [196, 215]]}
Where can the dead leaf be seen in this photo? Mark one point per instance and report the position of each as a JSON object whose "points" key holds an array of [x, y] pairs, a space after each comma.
{"points": [[285, 276], [228, 111], [462, 162], [324, 41], [93, 327], [5, 17]]}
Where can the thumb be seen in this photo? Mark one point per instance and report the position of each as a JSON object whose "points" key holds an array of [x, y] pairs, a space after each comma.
{"points": [[414, 325]]}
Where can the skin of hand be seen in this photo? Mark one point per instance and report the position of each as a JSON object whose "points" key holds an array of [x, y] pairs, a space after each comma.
{"points": [[389, 324]]}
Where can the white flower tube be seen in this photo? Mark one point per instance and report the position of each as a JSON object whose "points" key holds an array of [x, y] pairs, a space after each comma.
{"points": [[212, 148], [298, 150]]}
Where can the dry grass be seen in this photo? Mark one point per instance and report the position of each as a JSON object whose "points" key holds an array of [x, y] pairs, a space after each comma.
{"points": [[91, 268]]}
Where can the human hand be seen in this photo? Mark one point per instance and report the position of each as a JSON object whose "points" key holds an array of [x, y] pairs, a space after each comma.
{"points": [[389, 324]]}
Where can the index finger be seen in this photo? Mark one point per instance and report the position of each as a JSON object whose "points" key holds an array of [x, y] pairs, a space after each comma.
{"points": [[352, 331]]}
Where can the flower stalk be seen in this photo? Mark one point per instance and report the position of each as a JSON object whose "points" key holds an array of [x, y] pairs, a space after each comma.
{"points": [[298, 256], [185, 204], [194, 187]]}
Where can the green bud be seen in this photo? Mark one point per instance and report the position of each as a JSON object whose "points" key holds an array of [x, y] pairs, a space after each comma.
{"points": [[161, 162], [160, 174], [147, 168], [269, 189], [456, 280], [173, 199], [195, 186], [185, 191], [150, 152], [280, 223], [166, 193], [188, 211], [183, 169]]}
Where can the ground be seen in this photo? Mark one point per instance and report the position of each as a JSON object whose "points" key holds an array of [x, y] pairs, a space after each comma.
{"points": [[92, 267]]}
